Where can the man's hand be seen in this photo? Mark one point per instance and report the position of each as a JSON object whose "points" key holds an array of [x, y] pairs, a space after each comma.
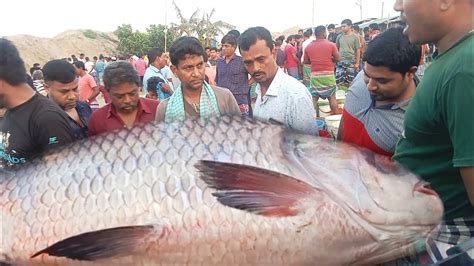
{"points": [[166, 88]]}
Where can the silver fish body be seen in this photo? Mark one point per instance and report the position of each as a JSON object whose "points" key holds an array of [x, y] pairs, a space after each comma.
{"points": [[227, 191]]}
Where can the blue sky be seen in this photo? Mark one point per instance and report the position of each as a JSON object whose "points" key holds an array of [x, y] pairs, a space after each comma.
{"points": [[47, 18]]}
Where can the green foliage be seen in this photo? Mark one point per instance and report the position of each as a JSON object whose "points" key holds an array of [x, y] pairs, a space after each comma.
{"points": [[202, 27], [130, 42], [90, 34]]}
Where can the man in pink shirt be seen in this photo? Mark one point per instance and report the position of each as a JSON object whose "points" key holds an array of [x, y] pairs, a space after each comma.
{"points": [[291, 58], [140, 65], [322, 54], [88, 90]]}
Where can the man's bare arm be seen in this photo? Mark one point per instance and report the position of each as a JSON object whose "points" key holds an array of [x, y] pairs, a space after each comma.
{"points": [[467, 174]]}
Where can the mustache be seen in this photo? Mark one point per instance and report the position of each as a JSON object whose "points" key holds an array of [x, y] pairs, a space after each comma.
{"points": [[257, 73]]}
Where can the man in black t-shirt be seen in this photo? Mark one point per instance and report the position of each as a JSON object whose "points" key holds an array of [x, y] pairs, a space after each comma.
{"points": [[32, 124]]}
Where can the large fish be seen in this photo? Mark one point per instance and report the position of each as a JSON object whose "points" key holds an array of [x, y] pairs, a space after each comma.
{"points": [[228, 191]]}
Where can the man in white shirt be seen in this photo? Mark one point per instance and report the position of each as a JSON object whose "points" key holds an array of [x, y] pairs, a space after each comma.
{"points": [[279, 96]]}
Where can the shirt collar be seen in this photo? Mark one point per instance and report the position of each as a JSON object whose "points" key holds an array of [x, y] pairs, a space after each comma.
{"points": [[274, 87]]}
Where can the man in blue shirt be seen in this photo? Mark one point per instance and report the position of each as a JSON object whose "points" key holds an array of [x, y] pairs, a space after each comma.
{"points": [[158, 61], [61, 84], [232, 74]]}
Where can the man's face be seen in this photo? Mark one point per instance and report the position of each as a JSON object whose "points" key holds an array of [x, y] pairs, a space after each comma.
{"points": [[345, 28], [422, 18], [386, 85], [213, 54], [332, 30], [65, 95], [190, 71], [228, 49], [161, 61], [124, 97], [259, 62]]}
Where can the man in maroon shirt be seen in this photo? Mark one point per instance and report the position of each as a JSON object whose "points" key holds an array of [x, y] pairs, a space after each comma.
{"points": [[127, 109]]}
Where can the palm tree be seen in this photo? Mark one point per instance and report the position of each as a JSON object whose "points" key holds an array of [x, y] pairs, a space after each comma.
{"points": [[186, 26], [201, 27], [209, 30]]}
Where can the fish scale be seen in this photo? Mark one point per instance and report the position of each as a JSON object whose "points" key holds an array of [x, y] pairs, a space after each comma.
{"points": [[143, 185]]}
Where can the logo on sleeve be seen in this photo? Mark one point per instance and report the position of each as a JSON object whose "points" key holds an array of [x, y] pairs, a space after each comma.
{"points": [[53, 140]]}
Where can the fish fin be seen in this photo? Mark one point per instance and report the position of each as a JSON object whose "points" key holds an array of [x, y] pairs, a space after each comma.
{"points": [[107, 243], [254, 189]]}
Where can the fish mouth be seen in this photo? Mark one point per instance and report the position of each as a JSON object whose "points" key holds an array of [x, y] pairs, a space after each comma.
{"points": [[424, 188]]}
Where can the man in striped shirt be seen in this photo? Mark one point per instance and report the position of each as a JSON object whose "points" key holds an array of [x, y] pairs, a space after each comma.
{"points": [[375, 104]]}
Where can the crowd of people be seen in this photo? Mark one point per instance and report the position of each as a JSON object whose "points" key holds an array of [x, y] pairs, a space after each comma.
{"points": [[425, 124]]}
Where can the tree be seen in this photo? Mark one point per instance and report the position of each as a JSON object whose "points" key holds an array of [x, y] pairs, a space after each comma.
{"points": [[211, 29], [201, 27], [131, 42], [156, 35]]}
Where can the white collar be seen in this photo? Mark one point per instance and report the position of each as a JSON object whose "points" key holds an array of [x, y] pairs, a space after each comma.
{"points": [[274, 87]]}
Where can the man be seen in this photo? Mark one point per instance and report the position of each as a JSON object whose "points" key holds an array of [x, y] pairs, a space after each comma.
{"points": [[88, 90], [140, 66], [213, 57], [374, 31], [36, 66], [349, 48], [375, 104], [32, 124], [437, 142], [61, 85], [99, 69], [332, 33], [291, 58], [127, 109], [279, 96], [82, 58], [306, 68], [279, 55], [157, 62], [231, 74], [322, 54], [194, 98]]}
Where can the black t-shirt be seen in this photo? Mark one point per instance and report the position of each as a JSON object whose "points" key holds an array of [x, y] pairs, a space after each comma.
{"points": [[32, 128], [333, 37]]}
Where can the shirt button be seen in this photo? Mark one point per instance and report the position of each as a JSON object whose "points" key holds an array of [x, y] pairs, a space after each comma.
{"points": [[377, 130]]}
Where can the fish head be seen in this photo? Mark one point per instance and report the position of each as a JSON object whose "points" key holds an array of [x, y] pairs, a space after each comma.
{"points": [[380, 194]]}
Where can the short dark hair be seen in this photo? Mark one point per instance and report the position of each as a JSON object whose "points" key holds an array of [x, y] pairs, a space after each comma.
{"points": [[307, 33], [290, 38], [281, 38], [153, 82], [79, 64], [213, 49], [119, 72], [374, 26], [348, 22], [319, 30], [59, 70], [251, 35], [236, 33], [366, 29], [230, 39], [12, 67], [356, 27], [392, 49], [185, 46], [154, 53], [331, 26]]}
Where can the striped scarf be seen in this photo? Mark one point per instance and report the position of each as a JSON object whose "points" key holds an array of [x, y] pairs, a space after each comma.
{"points": [[207, 105]]}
